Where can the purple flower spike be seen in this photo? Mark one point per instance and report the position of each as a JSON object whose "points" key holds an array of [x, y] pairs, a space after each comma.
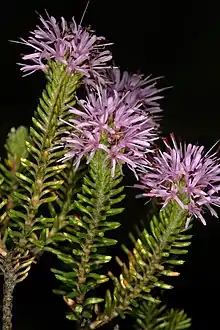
{"points": [[72, 45], [185, 174], [105, 122]]}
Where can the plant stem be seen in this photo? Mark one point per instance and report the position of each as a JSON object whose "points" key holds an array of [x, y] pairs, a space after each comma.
{"points": [[96, 206], [47, 143], [177, 219], [58, 105], [100, 202], [8, 289]]}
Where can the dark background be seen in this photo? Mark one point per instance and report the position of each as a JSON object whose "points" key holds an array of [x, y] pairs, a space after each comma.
{"points": [[175, 39]]}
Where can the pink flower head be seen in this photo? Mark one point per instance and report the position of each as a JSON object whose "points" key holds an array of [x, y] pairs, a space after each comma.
{"points": [[185, 174], [105, 122], [135, 89], [72, 45]]}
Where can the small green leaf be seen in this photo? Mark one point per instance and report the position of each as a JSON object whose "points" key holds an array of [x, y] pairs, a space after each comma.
{"points": [[82, 208], [56, 169], [30, 148], [44, 234], [105, 241], [17, 214], [78, 309], [77, 252], [101, 257], [54, 183], [76, 221], [90, 301], [112, 212], [174, 262], [36, 242], [48, 199], [38, 124], [86, 190], [117, 200], [177, 251], [151, 299], [65, 280], [70, 316], [3, 203], [163, 285], [118, 190], [84, 199], [102, 280], [169, 273], [181, 244], [21, 196], [27, 163], [108, 302], [70, 238], [96, 276], [112, 225]]}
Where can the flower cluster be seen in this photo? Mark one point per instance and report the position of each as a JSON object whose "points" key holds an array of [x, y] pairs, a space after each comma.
{"points": [[120, 116], [185, 174], [72, 45], [106, 122]]}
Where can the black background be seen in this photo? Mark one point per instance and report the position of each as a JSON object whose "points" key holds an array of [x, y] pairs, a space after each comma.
{"points": [[175, 39]]}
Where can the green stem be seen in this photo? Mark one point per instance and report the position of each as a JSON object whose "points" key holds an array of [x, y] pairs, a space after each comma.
{"points": [[58, 104], [47, 143], [96, 217], [95, 203], [176, 223]]}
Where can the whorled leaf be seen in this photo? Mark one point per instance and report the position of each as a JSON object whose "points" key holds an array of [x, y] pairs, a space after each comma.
{"points": [[86, 234], [156, 316], [156, 251], [40, 183]]}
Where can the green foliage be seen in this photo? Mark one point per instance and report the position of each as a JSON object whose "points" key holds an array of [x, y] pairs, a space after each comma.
{"points": [[30, 180], [152, 259], [86, 235], [16, 149], [151, 316], [15, 146], [39, 183], [63, 206]]}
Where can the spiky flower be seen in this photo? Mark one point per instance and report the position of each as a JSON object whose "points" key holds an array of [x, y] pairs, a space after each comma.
{"points": [[185, 174], [71, 44], [107, 123], [135, 89]]}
